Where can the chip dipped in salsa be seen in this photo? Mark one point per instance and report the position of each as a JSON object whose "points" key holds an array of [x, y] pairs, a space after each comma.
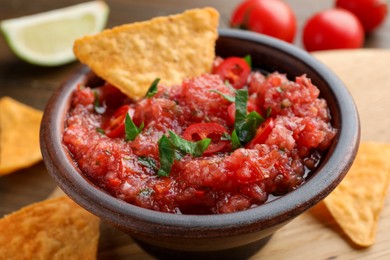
{"points": [[221, 142]]}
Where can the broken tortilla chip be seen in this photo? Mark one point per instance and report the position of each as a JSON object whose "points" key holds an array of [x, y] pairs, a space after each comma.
{"points": [[358, 200], [52, 229], [19, 135], [171, 48]]}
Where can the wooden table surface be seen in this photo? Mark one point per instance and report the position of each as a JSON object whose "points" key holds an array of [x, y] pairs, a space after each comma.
{"points": [[313, 235]]}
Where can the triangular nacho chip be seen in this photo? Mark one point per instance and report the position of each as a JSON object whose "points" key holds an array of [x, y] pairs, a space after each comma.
{"points": [[357, 202], [19, 135], [171, 48], [52, 229]]}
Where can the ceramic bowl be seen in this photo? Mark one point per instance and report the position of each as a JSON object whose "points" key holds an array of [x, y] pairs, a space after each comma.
{"points": [[232, 235]]}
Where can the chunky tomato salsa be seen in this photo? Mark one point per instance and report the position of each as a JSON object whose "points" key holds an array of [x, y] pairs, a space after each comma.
{"points": [[218, 143]]}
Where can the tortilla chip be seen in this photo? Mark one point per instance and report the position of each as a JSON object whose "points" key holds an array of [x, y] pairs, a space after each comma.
{"points": [[357, 202], [53, 229], [171, 48], [19, 135]]}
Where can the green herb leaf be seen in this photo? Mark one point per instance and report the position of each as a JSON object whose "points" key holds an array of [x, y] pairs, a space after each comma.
{"points": [[235, 141], [146, 192], [167, 153], [248, 60], [253, 121], [268, 113], [226, 137], [245, 125], [240, 114], [97, 107], [131, 130], [152, 89], [174, 148], [100, 130], [196, 149], [227, 97], [148, 162]]}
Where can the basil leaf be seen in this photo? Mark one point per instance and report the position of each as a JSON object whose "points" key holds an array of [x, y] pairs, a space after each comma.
{"points": [[152, 89], [148, 162], [187, 147], [131, 130], [167, 153], [245, 125], [227, 97], [248, 60]]}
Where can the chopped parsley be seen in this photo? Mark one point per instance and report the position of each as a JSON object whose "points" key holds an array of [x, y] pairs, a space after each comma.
{"points": [[131, 130], [148, 162], [174, 148], [100, 130], [167, 153], [146, 192], [152, 89], [268, 112], [97, 107], [245, 125], [227, 97]]}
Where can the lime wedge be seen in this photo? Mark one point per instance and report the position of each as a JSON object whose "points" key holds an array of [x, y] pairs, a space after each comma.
{"points": [[47, 38]]}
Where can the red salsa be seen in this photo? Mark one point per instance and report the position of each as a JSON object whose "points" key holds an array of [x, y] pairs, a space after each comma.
{"points": [[217, 143]]}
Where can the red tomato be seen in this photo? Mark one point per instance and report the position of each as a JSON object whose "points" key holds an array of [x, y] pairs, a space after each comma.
{"points": [[115, 126], [333, 29], [214, 131], [270, 17], [235, 70], [232, 111], [262, 133], [371, 13]]}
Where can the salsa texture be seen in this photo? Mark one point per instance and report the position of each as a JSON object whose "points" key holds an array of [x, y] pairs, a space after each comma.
{"points": [[129, 149]]}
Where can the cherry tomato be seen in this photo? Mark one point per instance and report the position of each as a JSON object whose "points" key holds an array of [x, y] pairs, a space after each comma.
{"points": [[199, 131], [270, 17], [333, 29], [235, 70], [115, 125], [232, 111], [262, 133], [371, 13]]}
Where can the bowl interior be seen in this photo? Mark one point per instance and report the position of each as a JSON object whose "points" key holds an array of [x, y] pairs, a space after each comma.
{"points": [[269, 55]]}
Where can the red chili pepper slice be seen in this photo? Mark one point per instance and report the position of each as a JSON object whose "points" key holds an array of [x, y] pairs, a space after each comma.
{"points": [[214, 131], [235, 70], [262, 133], [115, 126]]}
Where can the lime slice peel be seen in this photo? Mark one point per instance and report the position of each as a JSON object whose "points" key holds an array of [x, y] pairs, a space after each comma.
{"points": [[47, 38]]}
